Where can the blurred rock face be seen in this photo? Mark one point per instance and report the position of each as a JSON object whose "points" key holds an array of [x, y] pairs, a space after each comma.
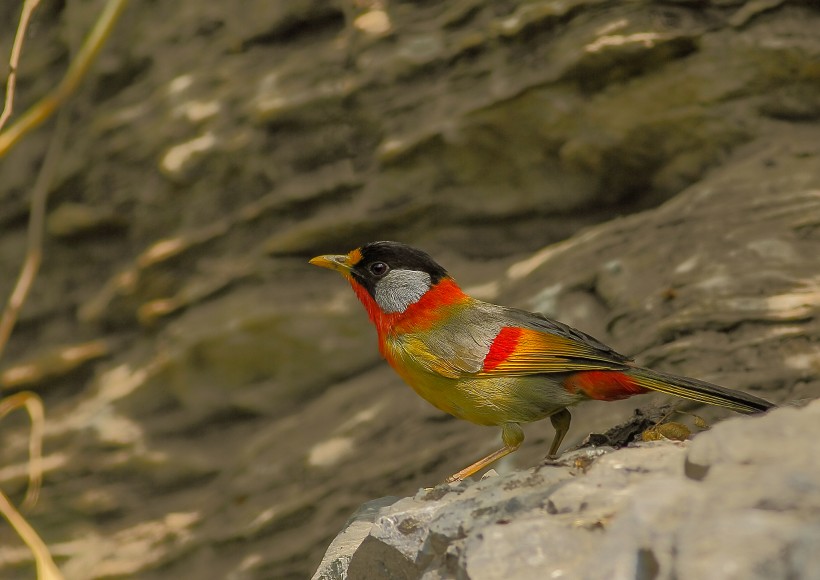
{"points": [[217, 407]]}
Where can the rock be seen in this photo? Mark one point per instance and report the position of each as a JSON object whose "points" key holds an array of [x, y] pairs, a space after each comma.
{"points": [[647, 172], [336, 562], [631, 513]]}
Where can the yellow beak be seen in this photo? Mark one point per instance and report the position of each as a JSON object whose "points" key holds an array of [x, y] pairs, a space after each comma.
{"points": [[338, 263]]}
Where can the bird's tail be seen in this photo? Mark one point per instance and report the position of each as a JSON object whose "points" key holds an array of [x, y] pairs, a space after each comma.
{"points": [[700, 391]]}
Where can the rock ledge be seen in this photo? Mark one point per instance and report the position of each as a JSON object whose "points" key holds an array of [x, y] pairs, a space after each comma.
{"points": [[741, 501]]}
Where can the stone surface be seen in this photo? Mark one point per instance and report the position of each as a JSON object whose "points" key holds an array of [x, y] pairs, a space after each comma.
{"points": [[217, 408], [632, 513]]}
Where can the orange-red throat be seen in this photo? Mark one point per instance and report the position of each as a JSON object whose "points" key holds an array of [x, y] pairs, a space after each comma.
{"points": [[432, 307]]}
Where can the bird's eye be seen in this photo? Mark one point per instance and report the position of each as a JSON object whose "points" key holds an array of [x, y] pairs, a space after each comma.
{"points": [[378, 268]]}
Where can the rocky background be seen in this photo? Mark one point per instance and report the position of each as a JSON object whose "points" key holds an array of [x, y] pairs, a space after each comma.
{"points": [[217, 408]]}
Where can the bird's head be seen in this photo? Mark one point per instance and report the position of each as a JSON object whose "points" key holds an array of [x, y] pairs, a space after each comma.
{"points": [[393, 280]]}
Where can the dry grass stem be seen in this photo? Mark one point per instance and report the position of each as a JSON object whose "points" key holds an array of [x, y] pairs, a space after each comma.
{"points": [[34, 405], [42, 110], [46, 569], [36, 224], [16, 49], [79, 66]]}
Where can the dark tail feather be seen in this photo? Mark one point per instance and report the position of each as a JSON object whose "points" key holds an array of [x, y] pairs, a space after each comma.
{"points": [[699, 391]]}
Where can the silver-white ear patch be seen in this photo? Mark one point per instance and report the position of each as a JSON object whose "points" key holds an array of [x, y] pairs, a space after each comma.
{"points": [[401, 288]]}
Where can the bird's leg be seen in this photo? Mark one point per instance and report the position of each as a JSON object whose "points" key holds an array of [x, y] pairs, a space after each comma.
{"points": [[560, 421], [511, 434]]}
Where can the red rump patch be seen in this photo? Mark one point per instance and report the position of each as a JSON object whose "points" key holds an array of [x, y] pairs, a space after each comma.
{"points": [[603, 385], [502, 347]]}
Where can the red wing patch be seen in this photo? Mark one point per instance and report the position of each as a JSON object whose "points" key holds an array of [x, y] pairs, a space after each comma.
{"points": [[502, 347], [521, 351]]}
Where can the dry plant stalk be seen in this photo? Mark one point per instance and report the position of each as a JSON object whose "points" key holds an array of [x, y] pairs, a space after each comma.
{"points": [[42, 110], [17, 47], [78, 68], [34, 405], [46, 569]]}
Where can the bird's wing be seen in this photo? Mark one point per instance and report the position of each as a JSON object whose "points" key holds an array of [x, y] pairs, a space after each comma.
{"points": [[533, 344], [490, 340]]}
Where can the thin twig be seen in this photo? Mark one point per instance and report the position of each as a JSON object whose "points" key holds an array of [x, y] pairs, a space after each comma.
{"points": [[34, 405], [46, 569], [34, 251], [14, 60], [79, 66]]}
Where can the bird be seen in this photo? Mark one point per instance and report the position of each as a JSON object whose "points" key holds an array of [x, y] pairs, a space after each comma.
{"points": [[494, 365]]}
